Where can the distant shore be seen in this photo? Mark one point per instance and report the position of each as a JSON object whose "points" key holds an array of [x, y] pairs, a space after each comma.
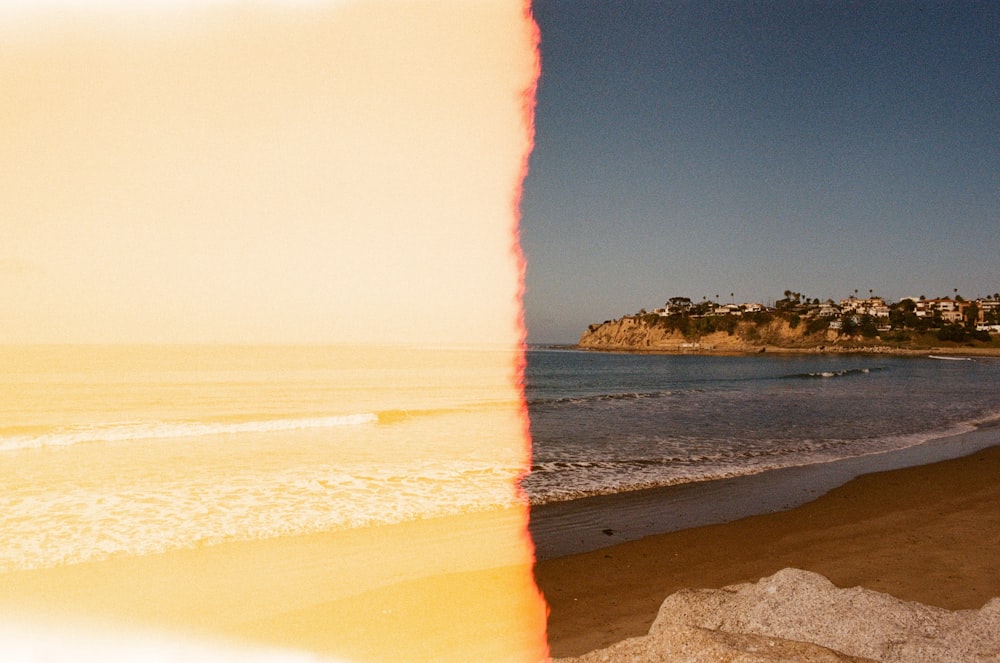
{"points": [[927, 533], [779, 331], [953, 351]]}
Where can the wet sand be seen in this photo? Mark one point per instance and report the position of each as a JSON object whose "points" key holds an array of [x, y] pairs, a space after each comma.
{"points": [[929, 533]]}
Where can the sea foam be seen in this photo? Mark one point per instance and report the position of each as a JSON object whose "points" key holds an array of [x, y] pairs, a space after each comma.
{"points": [[127, 431]]}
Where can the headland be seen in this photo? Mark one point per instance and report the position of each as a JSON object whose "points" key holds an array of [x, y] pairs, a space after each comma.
{"points": [[913, 326]]}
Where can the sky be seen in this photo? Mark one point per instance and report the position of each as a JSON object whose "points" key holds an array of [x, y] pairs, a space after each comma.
{"points": [[706, 148], [281, 171], [255, 177]]}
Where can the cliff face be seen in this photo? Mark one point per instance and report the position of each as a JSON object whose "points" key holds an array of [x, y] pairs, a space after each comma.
{"points": [[644, 333]]}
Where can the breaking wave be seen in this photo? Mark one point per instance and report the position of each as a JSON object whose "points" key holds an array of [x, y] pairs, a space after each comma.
{"points": [[837, 374], [125, 431]]}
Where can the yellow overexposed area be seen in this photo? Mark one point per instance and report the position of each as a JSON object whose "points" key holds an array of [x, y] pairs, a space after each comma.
{"points": [[247, 172], [262, 351]]}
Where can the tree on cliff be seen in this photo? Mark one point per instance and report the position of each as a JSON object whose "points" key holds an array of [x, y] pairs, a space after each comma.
{"points": [[791, 300], [971, 315], [903, 315], [867, 326]]}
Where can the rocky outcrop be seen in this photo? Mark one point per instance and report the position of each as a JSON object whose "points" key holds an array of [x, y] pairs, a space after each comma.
{"points": [[801, 616], [630, 333], [646, 333]]}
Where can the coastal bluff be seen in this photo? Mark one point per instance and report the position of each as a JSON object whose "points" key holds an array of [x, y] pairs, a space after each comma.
{"points": [[782, 332], [644, 333]]}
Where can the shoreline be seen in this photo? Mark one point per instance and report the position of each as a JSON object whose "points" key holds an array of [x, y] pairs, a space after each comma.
{"points": [[599, 521], [993, 352], [921, 524], [359, 592]]}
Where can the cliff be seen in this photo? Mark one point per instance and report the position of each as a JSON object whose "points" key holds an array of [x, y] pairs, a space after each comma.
{"points": [[724, 334]]}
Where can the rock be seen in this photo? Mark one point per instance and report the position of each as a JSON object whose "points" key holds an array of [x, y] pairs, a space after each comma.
{"points": [[677, 643], [801, 616]]}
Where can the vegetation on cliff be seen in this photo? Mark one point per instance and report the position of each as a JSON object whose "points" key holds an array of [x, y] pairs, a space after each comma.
{"points": [[793, 323]]}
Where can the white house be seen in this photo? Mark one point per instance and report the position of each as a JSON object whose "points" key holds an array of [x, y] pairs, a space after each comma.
{"points": [[873, 306], [951, 310]]}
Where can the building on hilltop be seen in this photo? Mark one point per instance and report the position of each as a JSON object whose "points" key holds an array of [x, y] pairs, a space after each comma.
{"points": [[989, 311], [727, 309], [828, 310], [949, 310], [873, 306]]}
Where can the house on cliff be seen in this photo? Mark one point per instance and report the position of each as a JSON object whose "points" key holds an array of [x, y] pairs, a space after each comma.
{"points": [[950, 310], [873, 306]]}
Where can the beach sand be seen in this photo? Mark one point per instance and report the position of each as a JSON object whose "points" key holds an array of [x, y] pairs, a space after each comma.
{"points": [[929, 533], [461, 588], [457, 588]]}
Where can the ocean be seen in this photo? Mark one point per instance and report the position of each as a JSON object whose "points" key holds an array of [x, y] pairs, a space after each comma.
{"points": [[604, 423], [108, 451]]}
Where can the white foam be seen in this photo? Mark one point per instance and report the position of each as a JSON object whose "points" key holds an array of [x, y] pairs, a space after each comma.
{"points": [[87, 523], [117, 432], [567, 479]]}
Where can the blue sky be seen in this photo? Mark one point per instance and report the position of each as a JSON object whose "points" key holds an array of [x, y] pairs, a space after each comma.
{"points": [[704, 148]]}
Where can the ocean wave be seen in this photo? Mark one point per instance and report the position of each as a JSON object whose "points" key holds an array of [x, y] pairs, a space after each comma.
{"points": [[835, 374], [398, 415], [125, 431], [606, 397], [727, 451], [563, 480]]}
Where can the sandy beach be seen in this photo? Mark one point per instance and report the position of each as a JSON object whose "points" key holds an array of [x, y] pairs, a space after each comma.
{"points": [[461, 588], [456, 588], [928, 533]]}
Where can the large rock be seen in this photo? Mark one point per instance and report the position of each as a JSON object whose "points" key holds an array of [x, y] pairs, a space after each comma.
{"points": [[801, 616]]}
